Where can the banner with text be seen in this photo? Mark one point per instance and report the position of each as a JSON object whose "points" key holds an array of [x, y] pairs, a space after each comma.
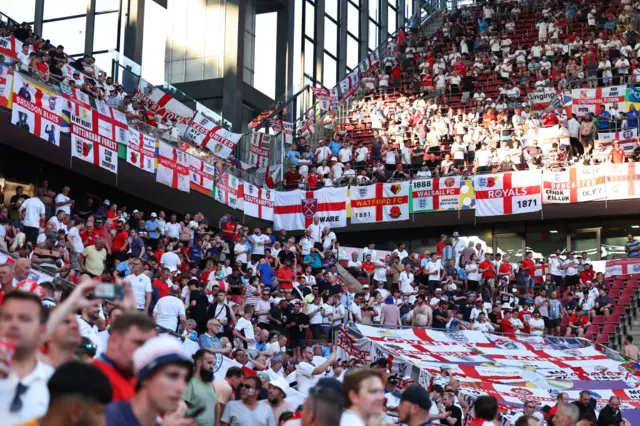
{"points": [[380, 202], [207, 134], [228, 189], [94, 148], [141, 151], [507, 193], [587, 101], [164, 105], [573, 185], [438, 194]]}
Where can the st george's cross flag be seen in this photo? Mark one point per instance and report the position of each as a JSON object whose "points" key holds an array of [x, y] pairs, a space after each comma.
{"points": [[207, 134], [164, 105], [380, 202], [94, 148], [141, 151], [201, 174], [173, 167], [258, 202], [350, 85], [508, 193], [574, 185], [295, 210]]}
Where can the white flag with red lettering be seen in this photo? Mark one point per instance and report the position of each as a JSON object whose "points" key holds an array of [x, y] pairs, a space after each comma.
{"points": [[507, 193], [173, 167], [207, 134], [164, 105], [573, 185], [258, 202], [201, 174], [295, 210], [259, 149], [141, 151], [380, 202]]}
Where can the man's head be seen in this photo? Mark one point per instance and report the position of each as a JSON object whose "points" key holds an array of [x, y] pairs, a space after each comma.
{"points": [[250, 388], [566, 415], [162, 372], [23, 321], [324, 405], [364, 389], [233, 376], [277, 390], [6, 275], [78, 402], [21, 268], [129, 331], [213, 326], [203, 361], [585, 397], [414, 405]]}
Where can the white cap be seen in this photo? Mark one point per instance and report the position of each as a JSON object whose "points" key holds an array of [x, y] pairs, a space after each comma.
{"points": [[136, 211], [281, 383], [154, 214], [438, 289], [157, 352], [106, 202]]}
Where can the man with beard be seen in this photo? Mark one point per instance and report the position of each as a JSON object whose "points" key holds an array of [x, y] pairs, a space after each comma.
{"points": [[248, 411], [162, 371], [64, 341], [414, 406], [200, 395], [87, 322], [276, 395]]}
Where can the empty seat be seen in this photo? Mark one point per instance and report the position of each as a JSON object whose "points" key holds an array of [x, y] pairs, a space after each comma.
{"points": [[592, 329], [598, 320], [618, 284], [633, 283], [603, 339], [612, 319], [617, 310], [609, 329], [628, 292], [624, 301], [590, 337]]}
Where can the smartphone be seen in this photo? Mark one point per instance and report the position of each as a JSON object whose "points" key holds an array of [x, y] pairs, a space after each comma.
{"points": [[196, 413], [109, 292]]}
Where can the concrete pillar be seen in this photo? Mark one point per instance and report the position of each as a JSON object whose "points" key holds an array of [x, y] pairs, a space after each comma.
{"points": [[384, 21], [342, 46], [233, 62], [38, 17], [401, 11], [90, 27], [284, 50], [319, 41], [364, 31], [134, 31]]}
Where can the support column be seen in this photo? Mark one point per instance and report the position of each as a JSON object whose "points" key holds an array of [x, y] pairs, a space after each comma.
{"points": [[284, 50], [384, 22], [38, 17], [319, 41], [234, 25], [343, 37], [90, 27], [364, 31], [133, 31], [417, 4], [401, 11]]}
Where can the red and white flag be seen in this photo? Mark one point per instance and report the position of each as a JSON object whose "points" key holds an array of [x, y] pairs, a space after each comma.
{"points": [[164, 105], [258, 202], [622, 181], [259, 149], [350, 85], [508, 193], [368, 67], [574, 185], [94, 148], [306, 127], [10, 46], [173, 167], [380, 202], [202, 174], [70, 73], [36, 109], [112, 123], [326, 99], [207, 134], [295, 210], [228, 189], [141, 151]]}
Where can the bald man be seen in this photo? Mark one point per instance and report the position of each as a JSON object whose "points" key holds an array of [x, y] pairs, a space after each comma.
{"points": [[21, 269]]}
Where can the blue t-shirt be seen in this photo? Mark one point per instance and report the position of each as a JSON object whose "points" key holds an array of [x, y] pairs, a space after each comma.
{"points": [[196, 253], [123, 269], [207, 342], [120, 414], [266, 273], [603, 120], [152, 227], [632, 118], [294, 157], [633, 245], [137, 244], [317, 262], [335, 147]]}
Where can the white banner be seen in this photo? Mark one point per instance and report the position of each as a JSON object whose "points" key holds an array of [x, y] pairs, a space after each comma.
{"points": [[141, 151], [622, 181], [258, 202], [295, 210], [228, 189], [507, 193], [575, 185], [94, 149], [164, 105], [380, 202], [201, 174], [207, 134], [259, 149], [435, 194]]}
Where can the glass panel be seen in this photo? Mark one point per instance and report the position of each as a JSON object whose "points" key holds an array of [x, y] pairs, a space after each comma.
{"points": [[211, 67], [310, 20], [409, 5], [177, 72], [297, 47], [585, 241], [177, 31], [61, 8], [330, 36], [331, 8], [106, 32], [194, 69], [391, 20], [373, 35], [511, 246], [196, 28], [215, 31], [329, 72], [614, 237], [104, 61], [543, 243], [373, 9], [104, 5], [308, 58], [69, 33], [352, 52], [19, 10], [353, 16], [265, 54]]}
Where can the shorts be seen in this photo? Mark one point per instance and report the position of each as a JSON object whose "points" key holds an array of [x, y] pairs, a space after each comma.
{"points": [[299, 343], [557, 280], [433, 285], [255, 258], [553, 323]]}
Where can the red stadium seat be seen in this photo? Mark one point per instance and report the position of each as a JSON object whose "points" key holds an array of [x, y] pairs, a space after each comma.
{"points": [[590, 337], [592, 329], [633, 283], [598, 320], [624, 301], [628, 292], [612, 319], [615, 292], [609, 329], [618, 284], [617, 310], [603, 339]]}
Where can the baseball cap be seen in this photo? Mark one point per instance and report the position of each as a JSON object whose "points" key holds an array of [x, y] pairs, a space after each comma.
{"points": [[154, 214], [455, 234], [438, 290], [135, 211], [264, 375], [156, 353], [281, 383], [52, 236], [416, 395], [106, 202]]}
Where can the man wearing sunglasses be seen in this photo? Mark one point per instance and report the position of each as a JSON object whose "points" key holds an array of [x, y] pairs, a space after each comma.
{"points": [[529, 410], [248, 411]]}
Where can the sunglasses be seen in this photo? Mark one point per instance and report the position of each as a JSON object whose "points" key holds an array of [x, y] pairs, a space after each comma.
{"points": [[16, 403], [245, 386]]}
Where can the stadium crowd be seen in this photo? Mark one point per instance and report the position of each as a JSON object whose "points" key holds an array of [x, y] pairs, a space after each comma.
{"points": [[273, 302], [457, 103]]}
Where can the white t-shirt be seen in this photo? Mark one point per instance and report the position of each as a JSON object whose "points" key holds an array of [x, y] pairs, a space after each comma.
{"points": [[245, 325], [240, 251], [58, 226], [305, 378], [433, 270], [259, 248], [168, 310], [91, 332], [536, 323], [61, 198], [76, 240], [34, 209], [317, 314], [173, 230], [170, 260], [349, 418], [141, 285]]}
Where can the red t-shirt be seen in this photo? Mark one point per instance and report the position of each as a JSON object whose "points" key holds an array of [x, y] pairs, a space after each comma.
{"points": [[123, 389], [505, 268], [439, 247], [491, 273], [88, 238], [162, 287], [285, 274], [525, 317], [119, 240], [587, 276], [529, 266], [506, 327], [617, 155]]}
